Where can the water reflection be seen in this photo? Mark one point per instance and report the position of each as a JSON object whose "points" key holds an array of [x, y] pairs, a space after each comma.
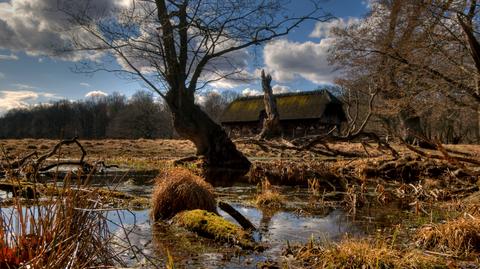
{"points": [[190, 251]]}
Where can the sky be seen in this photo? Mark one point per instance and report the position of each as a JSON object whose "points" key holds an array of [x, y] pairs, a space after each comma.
{"points": [[30, 73]]}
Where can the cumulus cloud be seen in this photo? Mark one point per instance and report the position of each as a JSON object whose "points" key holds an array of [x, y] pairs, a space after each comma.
{"points": [[307, 60], [226, 72], [322, 29], [278, 89], [37, 27], [229, 82], [11, 57], [251, 92], [97, 93], [10, 99]]}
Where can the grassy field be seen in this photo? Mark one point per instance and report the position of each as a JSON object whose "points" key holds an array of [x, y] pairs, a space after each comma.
{"points": [[109, 149]]}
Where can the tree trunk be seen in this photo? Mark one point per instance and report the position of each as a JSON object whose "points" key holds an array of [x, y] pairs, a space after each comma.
{"points": [[222, 163], [411, 128], [271, 124]]}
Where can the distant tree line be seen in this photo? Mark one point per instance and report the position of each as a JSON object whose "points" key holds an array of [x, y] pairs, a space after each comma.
{"points": [[112, 116]]}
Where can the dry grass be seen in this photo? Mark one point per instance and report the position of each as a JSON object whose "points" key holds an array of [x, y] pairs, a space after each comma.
{"points": [[177, 189], [269, 197], [362, 254], [66, 231], [459, 237]]}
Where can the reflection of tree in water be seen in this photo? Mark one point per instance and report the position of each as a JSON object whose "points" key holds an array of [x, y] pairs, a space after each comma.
{"points": [[267, 215]]}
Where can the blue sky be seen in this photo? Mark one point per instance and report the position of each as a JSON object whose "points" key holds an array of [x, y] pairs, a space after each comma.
{"points": [[28, 75]]}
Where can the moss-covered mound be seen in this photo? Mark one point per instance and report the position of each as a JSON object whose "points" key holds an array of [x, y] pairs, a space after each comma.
{"points": [[177, 189], [211, 225]]}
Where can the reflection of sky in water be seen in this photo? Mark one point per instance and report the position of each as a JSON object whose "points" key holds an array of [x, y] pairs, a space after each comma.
{"points": [[282, 226], [133, 228], [285, 226]]}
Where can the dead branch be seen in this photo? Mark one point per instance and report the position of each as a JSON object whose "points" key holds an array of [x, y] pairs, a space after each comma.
{"points": [[454, 160], [37, 163]]}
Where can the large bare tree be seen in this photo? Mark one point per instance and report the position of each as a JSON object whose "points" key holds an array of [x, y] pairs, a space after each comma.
{"points": [[177, 47], [417, 55]]}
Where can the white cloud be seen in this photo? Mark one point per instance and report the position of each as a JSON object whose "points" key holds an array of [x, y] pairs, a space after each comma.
{"points": [[96, 93], [288, 60], [251, 92], [322, 29], [240, 78], [11, 57], [38, 28], [10, 99], [22, 86], [278, 89], [308, 60], [84, 84]]}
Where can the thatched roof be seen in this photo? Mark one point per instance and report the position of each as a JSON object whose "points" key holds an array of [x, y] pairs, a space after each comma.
{"points": [[291, 106]]}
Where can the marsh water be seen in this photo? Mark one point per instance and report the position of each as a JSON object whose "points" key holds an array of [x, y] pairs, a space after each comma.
{"points": [[306, 216]]}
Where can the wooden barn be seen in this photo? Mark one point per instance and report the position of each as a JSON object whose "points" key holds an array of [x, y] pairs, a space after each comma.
{"points": [[301, 113]]}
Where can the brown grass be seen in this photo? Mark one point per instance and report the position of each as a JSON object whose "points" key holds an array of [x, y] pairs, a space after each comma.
{"points": [[66, 231], [460, 236], [363, 254], [269, 197], [176, 190]]}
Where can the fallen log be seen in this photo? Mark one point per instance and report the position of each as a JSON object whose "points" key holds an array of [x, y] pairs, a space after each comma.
{"points": [[244, 222]]}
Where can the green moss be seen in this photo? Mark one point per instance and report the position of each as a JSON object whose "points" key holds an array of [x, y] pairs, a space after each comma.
{"points": [[213, 226]]}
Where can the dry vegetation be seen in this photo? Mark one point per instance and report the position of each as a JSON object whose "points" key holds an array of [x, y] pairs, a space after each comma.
{"points": [[364, 254], [418, 185], [269, 197], [68, 230], [177, 189], [459, 237]]}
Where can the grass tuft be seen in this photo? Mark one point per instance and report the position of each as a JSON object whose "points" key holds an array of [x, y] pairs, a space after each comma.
{"points": [[177, 189], [269, 197]]}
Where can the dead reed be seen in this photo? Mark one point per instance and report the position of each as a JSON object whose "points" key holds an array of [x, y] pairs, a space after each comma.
{"points": [[68, 230], [269, 197], [365, 254], [459, 237]]}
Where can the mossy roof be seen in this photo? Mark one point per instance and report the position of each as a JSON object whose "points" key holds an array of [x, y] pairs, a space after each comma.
{"points": [[291, 106]]}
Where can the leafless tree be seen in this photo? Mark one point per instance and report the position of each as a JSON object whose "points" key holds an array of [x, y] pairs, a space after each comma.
{"points": [[416, 53], [178, 46]]}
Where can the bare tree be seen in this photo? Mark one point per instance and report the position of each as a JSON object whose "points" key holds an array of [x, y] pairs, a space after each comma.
{"points": [[416, 54], [178, 46]]}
